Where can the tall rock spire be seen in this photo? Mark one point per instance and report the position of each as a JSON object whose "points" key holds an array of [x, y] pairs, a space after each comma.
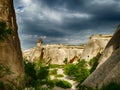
{"points": [[10, 51]]}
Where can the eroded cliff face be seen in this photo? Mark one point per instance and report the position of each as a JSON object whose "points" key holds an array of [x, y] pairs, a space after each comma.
{"points": [[57, 53], [109, 68], [10, 51], [54, 53], [95, 46]]}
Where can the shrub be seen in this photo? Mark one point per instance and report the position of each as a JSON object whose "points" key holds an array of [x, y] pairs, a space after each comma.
{"points": [[53, 72], [59, 75], [4, 31], [42, 73], [40, 88], [63, 84], [50, 84], [93, 63], [83, 87], [111, 86], [79, 70], [4, 70], [36, 73], [65, 61], [70, 69], [30, 73], [1, 85]]}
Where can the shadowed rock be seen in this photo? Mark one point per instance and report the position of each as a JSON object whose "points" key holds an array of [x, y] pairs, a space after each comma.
{"points": [[10, 51]]}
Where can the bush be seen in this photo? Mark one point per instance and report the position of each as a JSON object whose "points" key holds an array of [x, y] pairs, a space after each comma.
{"points": [[4, 70], [65, 61], [30, 74], [4, 31], [1, 85], [50, 84], [42, 73], [70, 69], [111, 86], [53, 72], [93, 63], [83, 87], [59, 75], [36, 73], [63, 84], [79, 70]]}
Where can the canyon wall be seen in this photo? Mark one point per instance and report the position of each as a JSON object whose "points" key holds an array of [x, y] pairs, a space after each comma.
{"points": [[95, 46], [108, 69], [54, 53], [10, 51]]}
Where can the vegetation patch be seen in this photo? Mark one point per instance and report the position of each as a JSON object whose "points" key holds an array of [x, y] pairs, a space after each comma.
{"points": [[1, 85], [111, 86], [63, 84], [55, 66], [93, 63], [59, 75], [4, 70], [79, 70], [65, 61], [53, 72], [36, 74], [4, 31]]}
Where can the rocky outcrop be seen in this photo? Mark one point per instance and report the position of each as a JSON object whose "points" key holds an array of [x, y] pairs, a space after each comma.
{"points": [[110, 48], [58, 53], [109, 67], [10, 51], [95, 46], [54, 53]]}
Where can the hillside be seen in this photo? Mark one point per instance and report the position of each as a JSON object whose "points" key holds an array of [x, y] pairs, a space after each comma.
{"points": [[109, 65]]}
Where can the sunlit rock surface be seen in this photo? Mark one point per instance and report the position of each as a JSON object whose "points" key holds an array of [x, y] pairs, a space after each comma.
{"points": [[95, 46], [54, 53]]}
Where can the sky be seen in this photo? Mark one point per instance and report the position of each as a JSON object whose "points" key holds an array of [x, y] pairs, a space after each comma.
{"points": [[65, 21]]}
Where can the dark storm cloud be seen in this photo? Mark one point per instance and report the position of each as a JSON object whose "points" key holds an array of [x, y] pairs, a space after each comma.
{"points": [[65, 21], [70, 4]]}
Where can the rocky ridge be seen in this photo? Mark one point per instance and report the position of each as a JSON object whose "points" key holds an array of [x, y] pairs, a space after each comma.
{"points": [[54, 53], [108, 69], [95, 46], [57, 53]]}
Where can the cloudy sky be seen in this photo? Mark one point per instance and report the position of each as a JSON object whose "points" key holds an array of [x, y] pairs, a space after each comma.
{"points": [[65, 21]]}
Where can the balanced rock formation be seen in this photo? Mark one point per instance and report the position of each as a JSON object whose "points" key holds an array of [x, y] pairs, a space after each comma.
{"points": [[10, 51], [54, 53], [95, 46], [109, 68]]}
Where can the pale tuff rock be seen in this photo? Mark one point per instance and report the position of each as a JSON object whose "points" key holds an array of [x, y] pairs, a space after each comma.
{"points": [[95, 46], [109, 68], [10, 51], [112, 46], [54, 53]]}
